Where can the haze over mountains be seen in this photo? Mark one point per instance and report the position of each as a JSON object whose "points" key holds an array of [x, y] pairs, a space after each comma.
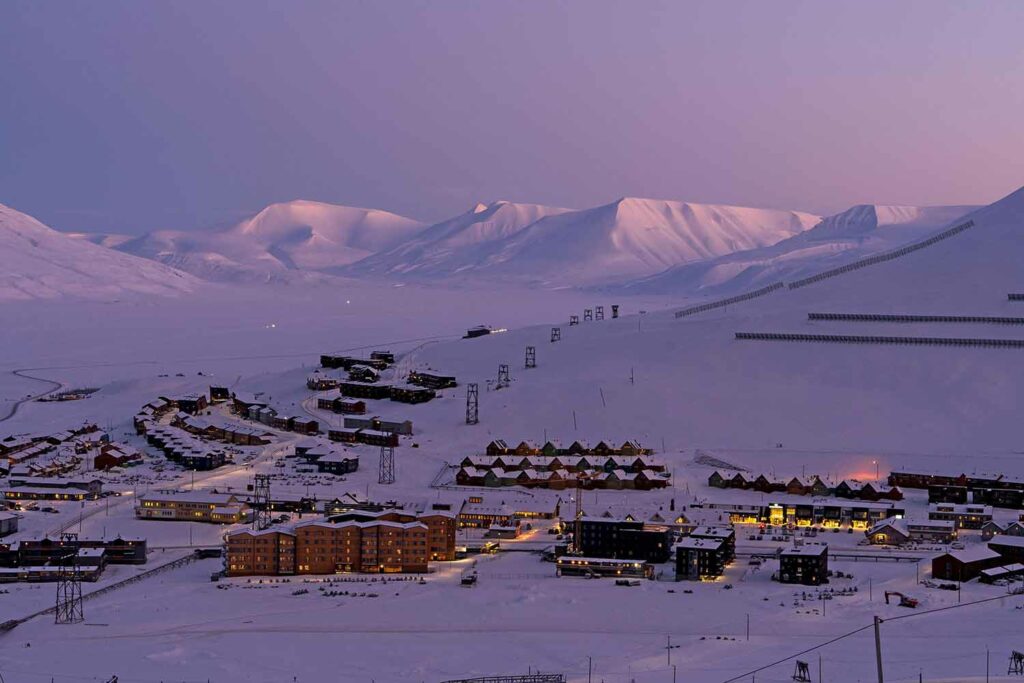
{"points": [[633, 245]]}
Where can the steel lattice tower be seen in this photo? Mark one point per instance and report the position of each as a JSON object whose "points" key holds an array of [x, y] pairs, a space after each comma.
{"points": [[386, 474], [472, 403], [69, 584], [556, 334], [261, 502], [503, 378], [599, 313], [531, 356]]}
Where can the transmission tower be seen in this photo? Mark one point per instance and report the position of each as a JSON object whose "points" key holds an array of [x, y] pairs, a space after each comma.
{"points": [[588, 314], [69, 583], [574, 320], [503, 379], [531, 357], [599, 313], [386, 475], [261, 502], [615, 310], [472, 403], [556, 334]]}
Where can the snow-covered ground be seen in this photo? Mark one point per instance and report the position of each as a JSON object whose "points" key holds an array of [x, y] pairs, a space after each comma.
{"points": [[685, 387]]}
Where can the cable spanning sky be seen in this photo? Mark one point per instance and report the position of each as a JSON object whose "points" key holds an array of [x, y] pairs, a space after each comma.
{"points": [[137, 115]]}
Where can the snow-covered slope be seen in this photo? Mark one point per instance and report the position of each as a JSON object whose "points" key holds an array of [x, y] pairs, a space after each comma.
{"points": [[455, 245], [628, 238], [860, 231], [37, 262], [690, 382], [276, 242]]}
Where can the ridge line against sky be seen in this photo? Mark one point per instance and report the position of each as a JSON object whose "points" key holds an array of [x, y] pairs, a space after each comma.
{"points": [[424, 109]]}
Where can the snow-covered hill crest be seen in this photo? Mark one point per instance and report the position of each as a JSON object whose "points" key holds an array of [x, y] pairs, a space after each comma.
{"points": [[284, 241], [37, 262], [630, 237], [858, 232]]}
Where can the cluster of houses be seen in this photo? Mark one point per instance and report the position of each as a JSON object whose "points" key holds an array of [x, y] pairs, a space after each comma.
{"points": [[51, 488], [563, 471], [46, 559], [328, 459], [797, 487], [999, 491], [115, 454], [364, 382], [552, 448], [49, 454], [221, 430], [339, 404], [181, 447], [384, 541], [371, 431], [552, 466], [287, 423]]}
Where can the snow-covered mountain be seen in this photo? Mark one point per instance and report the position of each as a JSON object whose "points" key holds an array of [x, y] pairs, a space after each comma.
{"points": [[449, 247], [844, 237], [37, 262], [279, 242], [625, 239]]}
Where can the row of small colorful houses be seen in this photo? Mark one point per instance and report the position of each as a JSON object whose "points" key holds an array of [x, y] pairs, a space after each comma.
{"points": [[557, 479], [571, 463], [553, 448], [16, 450], [798, 487]]}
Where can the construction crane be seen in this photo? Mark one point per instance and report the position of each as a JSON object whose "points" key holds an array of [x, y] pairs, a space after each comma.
{"points": [[905, 600], [578, 526]]}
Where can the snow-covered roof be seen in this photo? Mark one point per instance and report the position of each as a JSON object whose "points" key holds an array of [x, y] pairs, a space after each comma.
{"points": [[690, 542], [974, 553], [806, 549]]}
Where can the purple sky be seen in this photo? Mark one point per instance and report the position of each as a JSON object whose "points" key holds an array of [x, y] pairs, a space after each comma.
{"points": [[136, 115]]}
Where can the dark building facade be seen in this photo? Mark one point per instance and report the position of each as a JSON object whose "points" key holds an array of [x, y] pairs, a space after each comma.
{"points": [[806, 565], [624, 539]]}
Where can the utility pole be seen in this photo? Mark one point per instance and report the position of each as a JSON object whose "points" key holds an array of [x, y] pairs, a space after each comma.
{"points": [[668, 649], [590, 668], [472, 403], [878, 649], [748, 625]]}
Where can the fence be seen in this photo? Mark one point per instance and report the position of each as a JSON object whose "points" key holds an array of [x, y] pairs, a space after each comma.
{"points": [[858, 339], [731, 300], [882, 258], [174, 564], [887, 318]]}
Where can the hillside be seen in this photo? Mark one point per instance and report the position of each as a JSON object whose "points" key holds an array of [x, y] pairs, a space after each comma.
{"points": [[446, 248], [844, 237], [628, 238], [37, 262], [692, 383], [278, 241]]}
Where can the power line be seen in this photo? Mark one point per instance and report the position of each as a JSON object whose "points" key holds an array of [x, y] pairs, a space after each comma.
{"points": [[865, 628]]}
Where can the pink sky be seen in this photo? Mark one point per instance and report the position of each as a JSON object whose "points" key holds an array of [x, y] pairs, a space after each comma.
{"points": [[139, 115]]}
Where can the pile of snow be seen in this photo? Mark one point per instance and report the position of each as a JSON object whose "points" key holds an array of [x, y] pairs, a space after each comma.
{"points": [[37, 262], [625, 239], [277, 241], [858, 232]]}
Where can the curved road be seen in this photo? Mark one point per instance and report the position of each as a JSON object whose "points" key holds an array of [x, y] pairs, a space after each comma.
{"points": [[54, 386]]}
